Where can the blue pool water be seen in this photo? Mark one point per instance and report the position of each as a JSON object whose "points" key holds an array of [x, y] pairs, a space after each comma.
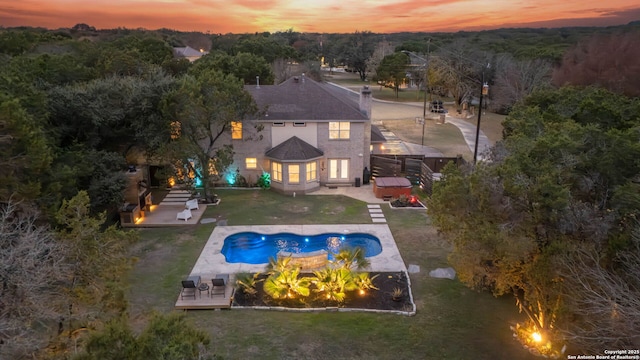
{"points": [[254, 248]]}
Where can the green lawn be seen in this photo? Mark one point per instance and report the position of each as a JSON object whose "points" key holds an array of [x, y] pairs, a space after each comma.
{"points": [[452, 322]]}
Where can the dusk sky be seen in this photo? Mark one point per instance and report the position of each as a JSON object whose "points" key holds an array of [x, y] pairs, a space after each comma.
{"points": [[328, 16]]}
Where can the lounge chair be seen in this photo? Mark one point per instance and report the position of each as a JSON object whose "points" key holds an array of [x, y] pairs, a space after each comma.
{"points": [[184, 215], [192, 204], [190, 286], [219, 285]]}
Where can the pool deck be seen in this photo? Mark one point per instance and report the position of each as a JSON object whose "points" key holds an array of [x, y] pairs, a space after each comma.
{"points": [[211, 260]]}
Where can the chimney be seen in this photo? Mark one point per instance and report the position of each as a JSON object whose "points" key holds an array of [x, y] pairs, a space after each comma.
{"points": [[365, 101]]}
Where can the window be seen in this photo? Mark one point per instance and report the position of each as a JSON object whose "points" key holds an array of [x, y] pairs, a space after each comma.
{"points": [[279, 123], [251, 163], [339, 130], [312, 171], [236, 130], [299, 124], [338, 169], [276, 171], [294, 174]]}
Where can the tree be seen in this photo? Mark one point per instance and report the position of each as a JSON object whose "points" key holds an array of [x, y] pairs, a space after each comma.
{"points": [[393, 70], [607, 61], [245, 66], [606, 299], [25, 155], [165, 337], [204, 108], [97, 262], [460, 69], [357, 51], [516, 79], [555, 183], [32, 271]]}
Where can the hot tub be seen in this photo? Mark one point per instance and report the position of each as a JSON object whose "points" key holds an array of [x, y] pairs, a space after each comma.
{"points": [[391, 187]]}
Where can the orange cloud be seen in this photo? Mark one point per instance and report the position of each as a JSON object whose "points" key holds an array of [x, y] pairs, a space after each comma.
{"points": [[329, 16]]}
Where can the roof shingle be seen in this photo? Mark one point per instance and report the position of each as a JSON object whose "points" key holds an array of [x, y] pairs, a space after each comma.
{"points": [[294, 149], [303, 99]]}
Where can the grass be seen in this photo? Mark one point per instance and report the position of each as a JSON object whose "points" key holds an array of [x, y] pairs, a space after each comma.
{"points": [[452, 322], [446, 138]]}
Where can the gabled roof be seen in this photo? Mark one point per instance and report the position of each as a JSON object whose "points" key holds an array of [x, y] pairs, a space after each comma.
{"points": [[376, 135], [187, 51], [300, 98], [294, 149]]}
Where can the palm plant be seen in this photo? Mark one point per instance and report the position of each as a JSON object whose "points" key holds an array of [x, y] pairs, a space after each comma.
{"points": [[287, 284], [333, 284], [364, 281], [350, 257], [247, 282], [279, 265]]}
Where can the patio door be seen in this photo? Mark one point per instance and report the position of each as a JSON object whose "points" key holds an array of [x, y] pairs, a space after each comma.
{"points": [[338, 169]]}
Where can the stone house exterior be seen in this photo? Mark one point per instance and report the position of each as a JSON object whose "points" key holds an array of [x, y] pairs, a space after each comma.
{"points": [[310, 134]]}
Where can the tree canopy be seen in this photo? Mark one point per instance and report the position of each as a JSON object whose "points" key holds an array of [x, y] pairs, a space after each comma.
{"points": [[564, 177]]}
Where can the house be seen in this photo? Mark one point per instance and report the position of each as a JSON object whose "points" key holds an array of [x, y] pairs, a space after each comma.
{"points": [[188, 53], [310, 135]]}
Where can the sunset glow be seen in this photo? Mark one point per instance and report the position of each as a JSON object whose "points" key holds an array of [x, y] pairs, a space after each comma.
{"points": [[329, 16]]}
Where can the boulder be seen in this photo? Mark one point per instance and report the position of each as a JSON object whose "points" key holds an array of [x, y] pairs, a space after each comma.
{"points": [[443, 273]]}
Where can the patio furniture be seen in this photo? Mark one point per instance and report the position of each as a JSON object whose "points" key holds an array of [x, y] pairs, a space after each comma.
{"points": [[192, 204], [184, 215], [203, 287], [219, 285], [189, 287]]}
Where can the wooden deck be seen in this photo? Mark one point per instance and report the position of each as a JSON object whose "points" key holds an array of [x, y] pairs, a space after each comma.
{"points": [[204, 300]]}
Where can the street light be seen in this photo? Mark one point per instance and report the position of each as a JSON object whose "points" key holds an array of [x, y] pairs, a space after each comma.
{"points": [[426, 82], [484, 90]]}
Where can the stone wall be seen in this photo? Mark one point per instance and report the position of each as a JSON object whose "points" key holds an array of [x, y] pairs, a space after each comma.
{"points": [[307, 261]]}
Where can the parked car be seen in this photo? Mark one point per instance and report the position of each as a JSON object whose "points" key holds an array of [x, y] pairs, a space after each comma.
{"points": [[436, 106]]}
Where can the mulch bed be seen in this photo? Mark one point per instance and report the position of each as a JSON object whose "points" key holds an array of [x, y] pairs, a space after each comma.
{"points": [[380, 299]]}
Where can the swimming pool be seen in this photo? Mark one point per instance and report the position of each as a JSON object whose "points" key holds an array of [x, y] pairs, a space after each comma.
{"points": [[255, 248]]}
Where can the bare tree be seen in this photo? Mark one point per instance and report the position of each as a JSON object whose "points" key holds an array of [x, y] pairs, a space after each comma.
{"points": [[32, 270], [604, 301], [383, 49], [515, 79], [282, 70], [609, 61]]}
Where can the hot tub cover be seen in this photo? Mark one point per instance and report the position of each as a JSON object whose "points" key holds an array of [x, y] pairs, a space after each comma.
{"points": [[398, 182]]}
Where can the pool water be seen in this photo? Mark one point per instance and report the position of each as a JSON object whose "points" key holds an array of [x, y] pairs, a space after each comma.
{"points": [[255, 248]]}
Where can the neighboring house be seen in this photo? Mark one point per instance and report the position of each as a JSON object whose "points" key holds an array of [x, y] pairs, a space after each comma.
{"points": [[188, 53], [311, 135]]}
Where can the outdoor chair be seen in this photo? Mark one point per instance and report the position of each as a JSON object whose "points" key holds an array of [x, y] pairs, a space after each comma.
{"points": [[184, 215], [219, 285], [189, 288], [192, 204]]}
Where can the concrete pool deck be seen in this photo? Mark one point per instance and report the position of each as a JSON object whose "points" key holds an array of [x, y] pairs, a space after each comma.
{"points": [[211, 260]]}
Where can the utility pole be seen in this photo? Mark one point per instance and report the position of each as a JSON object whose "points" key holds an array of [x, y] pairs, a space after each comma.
{"points": [[484, 90], [426, 85]]}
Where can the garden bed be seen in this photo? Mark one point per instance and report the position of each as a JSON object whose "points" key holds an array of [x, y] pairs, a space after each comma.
{"points": [[381, 299]]}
